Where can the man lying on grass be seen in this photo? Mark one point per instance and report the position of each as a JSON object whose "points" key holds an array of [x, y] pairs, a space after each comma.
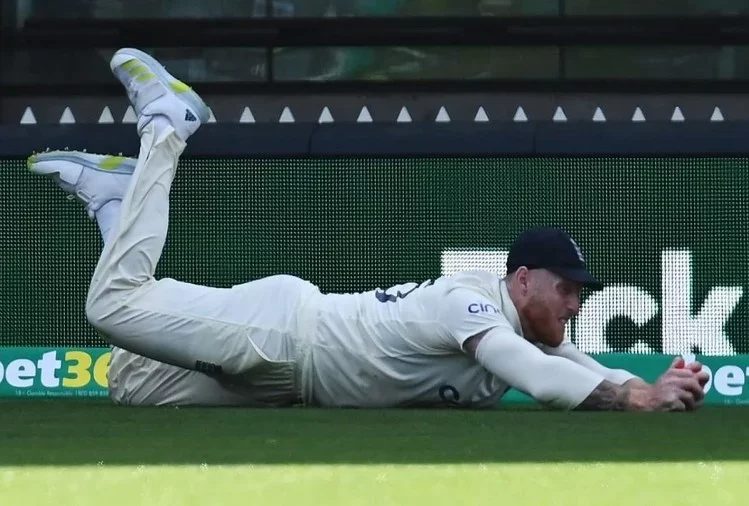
{"points": [[460, 341]]}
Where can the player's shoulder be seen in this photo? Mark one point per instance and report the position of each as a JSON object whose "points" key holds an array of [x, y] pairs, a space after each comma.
{"points": [[476, 280], [472, 302], [473, 289]]}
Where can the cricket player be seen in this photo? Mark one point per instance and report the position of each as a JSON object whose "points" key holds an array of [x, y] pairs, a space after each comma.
{"points": [[457, 341]]}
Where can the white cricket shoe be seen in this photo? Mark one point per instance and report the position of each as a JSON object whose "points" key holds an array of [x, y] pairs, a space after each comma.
{"points": [[92, 179], [153, 91]]}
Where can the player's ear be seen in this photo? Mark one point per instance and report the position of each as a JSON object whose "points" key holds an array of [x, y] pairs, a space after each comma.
{"points": [[522, 278]]}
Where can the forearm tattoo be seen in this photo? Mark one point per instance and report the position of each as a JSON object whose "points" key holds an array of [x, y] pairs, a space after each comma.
{"points": [[607, 396]]}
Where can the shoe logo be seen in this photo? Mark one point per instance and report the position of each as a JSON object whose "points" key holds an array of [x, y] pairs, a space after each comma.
{"points": [[190, 116]]}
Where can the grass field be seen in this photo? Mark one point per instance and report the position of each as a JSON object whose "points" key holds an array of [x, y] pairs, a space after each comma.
{"points": [[82, 453]]}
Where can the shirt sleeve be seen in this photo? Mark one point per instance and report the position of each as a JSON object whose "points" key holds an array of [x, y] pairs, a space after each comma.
{"points": [[465, 313], [571, 352], [550, 380]]}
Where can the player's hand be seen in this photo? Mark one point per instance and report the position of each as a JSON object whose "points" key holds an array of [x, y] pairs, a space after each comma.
{"points": [[680, 388], [696, 367]]}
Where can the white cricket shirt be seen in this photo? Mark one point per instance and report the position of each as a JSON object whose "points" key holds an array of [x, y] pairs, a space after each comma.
{"points": [[402, 346]]}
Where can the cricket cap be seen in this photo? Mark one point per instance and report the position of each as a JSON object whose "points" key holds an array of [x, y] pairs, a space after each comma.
{"points": [[554, 250]]}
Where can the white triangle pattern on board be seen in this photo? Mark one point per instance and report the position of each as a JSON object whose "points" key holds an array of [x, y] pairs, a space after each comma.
{"points": [[677, 115], [130, 116], [364, 116], [67, 117], [520, 115], [286, 116], [638, 116], [106, 116], [247, 116], [28, 117], [559, 115], [325, 116], [481, 116], [442, 116], [403, 116]]}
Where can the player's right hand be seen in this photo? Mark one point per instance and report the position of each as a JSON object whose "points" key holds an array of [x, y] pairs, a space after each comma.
{"points": [[694, 366], [680, 388]]}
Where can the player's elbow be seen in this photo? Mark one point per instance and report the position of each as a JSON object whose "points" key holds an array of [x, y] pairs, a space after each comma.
{"points": [[550, 380], [470, 345]]}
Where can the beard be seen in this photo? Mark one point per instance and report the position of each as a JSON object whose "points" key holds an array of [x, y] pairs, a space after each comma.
{"points": [[545, 325]]}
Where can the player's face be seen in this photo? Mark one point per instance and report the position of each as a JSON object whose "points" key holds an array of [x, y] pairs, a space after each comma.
{"points": [[551, 302]]}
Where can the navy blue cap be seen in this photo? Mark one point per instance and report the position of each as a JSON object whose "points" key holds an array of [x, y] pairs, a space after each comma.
{"points": [[554, 250]]}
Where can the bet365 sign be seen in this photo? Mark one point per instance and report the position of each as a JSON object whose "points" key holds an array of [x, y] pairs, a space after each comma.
{"points": [[685, 325], [54, 372]]}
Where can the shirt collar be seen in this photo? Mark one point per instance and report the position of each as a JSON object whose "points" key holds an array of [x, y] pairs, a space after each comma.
{"points": [[508, 308]]}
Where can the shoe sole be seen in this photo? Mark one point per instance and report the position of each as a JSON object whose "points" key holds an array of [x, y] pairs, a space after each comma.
{"points": [[112, 165], [189, 98]]}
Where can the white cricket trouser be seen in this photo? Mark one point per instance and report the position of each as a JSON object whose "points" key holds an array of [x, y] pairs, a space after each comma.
{"points": [[190, 344]]}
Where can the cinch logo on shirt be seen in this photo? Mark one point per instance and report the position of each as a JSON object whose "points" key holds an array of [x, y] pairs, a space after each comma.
{"points": [[477, 307]]}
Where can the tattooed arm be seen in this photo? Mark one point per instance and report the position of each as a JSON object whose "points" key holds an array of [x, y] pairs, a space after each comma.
{"points": [[677, 389], [550, 380], [564, 384], [608, 396], [571, 352]]}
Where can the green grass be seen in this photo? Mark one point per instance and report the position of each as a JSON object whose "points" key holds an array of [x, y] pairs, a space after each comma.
{"points": [[92, 453]]}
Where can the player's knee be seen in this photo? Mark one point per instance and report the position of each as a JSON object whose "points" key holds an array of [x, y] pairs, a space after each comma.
{"points": [[96, 313], [110, 322], [106, 301], [103, 308], [116, 316], [97, 301], [109, 285]]}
